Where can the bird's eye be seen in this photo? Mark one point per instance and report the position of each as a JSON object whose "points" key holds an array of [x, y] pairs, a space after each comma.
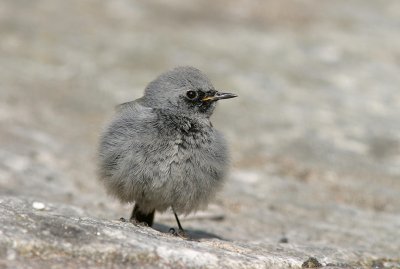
{"points": [[191, 94]]}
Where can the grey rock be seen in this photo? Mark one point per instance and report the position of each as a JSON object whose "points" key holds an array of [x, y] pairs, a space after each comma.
{"points": [[58, 238]]}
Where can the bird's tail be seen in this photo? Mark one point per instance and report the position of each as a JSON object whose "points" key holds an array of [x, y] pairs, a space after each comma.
{"points": [[140, 217]]}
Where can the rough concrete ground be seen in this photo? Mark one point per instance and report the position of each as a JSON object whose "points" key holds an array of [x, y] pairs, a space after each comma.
{"points": [[315, 134]]}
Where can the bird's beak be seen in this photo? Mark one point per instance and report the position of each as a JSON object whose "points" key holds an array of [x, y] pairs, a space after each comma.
{"points": [[219, 96]]}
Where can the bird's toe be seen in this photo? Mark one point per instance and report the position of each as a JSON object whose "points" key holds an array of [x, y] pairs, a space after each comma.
{"points": [[180, 233]]}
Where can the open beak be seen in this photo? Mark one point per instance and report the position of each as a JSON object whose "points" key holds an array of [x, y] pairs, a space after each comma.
{"points": [[219, 96]]}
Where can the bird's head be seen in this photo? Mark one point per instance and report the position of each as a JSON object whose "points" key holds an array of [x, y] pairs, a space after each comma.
{"points": [[184, 89]]}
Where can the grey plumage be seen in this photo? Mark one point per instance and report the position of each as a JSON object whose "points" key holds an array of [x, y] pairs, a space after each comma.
{"points": [[161, 150]]}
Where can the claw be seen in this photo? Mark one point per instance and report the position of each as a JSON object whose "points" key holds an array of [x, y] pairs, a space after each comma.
{"points": [[180, 233], [135, 222]]}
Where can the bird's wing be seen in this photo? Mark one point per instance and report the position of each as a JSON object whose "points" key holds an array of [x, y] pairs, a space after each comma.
{"points": [[135, 105], [125, 105], [135, 112]]}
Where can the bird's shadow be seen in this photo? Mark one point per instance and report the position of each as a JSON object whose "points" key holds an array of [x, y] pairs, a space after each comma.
{"points": [[192, 234]]}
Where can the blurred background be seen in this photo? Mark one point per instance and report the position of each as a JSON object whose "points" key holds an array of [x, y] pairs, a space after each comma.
{"points": [[314, 134]]}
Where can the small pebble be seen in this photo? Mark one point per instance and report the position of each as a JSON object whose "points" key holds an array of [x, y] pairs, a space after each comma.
{"points": [[284, 240], [38, 205]]}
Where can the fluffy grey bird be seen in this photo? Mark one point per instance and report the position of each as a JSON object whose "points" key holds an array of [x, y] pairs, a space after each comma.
{"points": [[162, 151]]}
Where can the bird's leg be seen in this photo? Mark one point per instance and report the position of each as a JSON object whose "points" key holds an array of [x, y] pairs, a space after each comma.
{"points": [[181, 232], [177, 220], [138, 217]]}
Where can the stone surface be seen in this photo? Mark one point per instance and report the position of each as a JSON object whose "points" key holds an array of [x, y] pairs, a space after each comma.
{"points": [[315, 134], [63, 236]]}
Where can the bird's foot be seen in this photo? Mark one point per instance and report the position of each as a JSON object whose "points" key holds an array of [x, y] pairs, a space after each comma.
{"points": [[135, 222], [180, 233]]}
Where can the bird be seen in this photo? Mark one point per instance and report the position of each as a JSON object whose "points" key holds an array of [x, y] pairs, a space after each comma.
{"points": [[161, 151]]}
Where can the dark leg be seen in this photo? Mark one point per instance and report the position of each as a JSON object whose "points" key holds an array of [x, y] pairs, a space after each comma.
{"points": [[177, 220], [180, 232], [138, 217]]}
